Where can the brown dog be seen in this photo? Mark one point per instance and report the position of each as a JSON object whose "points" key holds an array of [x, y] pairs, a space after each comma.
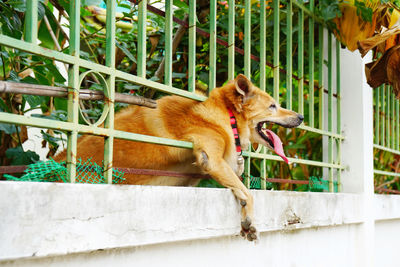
{"points": [[208, 126]]}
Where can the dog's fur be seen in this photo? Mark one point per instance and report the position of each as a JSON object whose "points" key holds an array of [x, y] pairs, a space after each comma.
{"points": [[207, 125]]}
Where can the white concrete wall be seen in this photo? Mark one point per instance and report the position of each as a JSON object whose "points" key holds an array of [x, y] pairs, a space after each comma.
{"points": [[47, 224]]}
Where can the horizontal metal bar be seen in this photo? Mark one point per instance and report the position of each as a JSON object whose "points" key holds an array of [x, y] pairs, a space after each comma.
{"points": [[151, 139], [287, 181], [387, 149], [158, 86], [162, 173], [322, 132], [13, 169], [67, 126], [38, 50], [387, 173], [84, 94], [59, 56], [293, 160]]}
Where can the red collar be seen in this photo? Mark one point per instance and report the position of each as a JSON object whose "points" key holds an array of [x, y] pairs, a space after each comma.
{"points": [[235, 131]]}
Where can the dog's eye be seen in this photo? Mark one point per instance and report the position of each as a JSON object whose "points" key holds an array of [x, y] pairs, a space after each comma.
{"points": [[272, 106]]}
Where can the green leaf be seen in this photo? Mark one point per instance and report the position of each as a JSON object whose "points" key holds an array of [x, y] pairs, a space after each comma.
{"points": [[19, 157], [3, 106], [329, 9], [295, 146], [8, 128], [60, 104], [14, 76], [34, 100], [11, 24], [363, 11], [182, 5], [54, 72], [18, 5], [96, 87], [44, 34], [126, 52], [42, 10], [52, 140]]}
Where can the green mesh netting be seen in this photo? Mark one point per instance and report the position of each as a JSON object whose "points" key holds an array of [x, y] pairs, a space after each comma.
{"points": [[320, 185], [51, 171], [315, 184]]}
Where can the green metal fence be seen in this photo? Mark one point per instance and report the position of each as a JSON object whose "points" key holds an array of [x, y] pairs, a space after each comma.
{"points": [[386, 132], [307, 79]]}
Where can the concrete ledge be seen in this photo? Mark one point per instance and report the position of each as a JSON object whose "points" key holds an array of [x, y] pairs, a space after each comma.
{"points": [[43, 219], [387, 207]]}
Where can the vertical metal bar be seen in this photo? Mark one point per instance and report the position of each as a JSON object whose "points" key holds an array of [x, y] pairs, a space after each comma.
{"points": [[263, 46], [321, 76], [73, 91], [231, 40], [276, 49], [330, 113], [110, 34], [110, 62], [247, 173], [263, 171], [311, 65], [289, 47], [263, 81], [247, 38], [213, 45], [383, 89], [338, 88], [169, 13], [247, 66], [398, 124], [31, 21], [142, 23], [392, 133], [388, 117], [338, 113], [301, 61], [377, 111], [192, 46]]}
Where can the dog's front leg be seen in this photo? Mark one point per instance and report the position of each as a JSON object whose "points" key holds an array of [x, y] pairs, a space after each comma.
{"points": [[209, 157]]}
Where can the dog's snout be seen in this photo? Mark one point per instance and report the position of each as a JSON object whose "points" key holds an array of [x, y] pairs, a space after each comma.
{"points": [[301, 117]]}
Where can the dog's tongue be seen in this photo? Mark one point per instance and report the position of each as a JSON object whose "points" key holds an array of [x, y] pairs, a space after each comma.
{"points": [[277, 145]]}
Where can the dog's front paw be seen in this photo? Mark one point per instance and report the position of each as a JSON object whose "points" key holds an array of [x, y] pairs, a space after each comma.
{"points": [[248, 231]]}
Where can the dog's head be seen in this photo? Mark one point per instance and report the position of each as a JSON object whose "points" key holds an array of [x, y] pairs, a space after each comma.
{"points": [[259, 109]]}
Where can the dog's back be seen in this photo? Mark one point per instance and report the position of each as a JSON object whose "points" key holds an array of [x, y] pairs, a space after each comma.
{"points": [[173, 118]]}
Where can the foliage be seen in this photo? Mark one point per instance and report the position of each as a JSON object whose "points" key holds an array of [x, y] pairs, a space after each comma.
{"points": [[386, 161], [20, 66]]}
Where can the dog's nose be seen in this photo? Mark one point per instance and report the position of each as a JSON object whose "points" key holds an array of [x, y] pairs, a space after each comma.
{"points": [[301, 117]]}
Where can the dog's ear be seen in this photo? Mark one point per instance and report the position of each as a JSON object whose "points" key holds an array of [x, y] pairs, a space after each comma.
{"points": [[243, 85]]}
